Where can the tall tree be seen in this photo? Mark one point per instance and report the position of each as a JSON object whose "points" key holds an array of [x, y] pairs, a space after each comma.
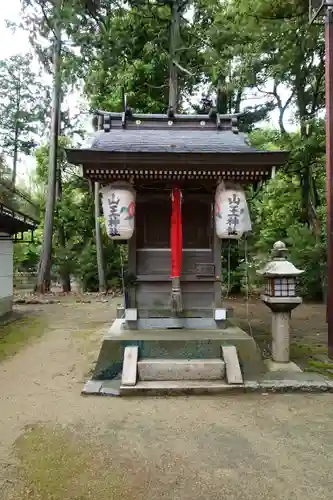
{"points": [[23, 105], [44, 270], [53, 18]]}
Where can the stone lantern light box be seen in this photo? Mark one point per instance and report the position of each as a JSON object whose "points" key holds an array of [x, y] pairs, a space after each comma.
{"points": [[280, 287], [280, 275]]}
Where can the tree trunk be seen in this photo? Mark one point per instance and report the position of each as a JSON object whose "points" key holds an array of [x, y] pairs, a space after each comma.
{"points": [[16, 133], [15, 153], [44, 272], [222, 96], [99, 243], [174, 56], [309, 194], [64, 273]]}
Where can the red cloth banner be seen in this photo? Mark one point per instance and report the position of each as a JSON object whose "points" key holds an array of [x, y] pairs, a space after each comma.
{"points": [[176, 236]]}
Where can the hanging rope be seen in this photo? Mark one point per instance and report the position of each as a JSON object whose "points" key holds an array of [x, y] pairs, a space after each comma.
{"points": [[176, 244], [226, 294], [122, 275], [247, 283]]}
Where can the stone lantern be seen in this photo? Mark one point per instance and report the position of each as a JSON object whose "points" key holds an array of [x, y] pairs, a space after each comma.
{"points": [[280, 296]]}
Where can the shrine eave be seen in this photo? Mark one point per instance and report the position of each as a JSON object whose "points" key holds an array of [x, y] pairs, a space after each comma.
{"points": [[248, 167], [250, 159]]}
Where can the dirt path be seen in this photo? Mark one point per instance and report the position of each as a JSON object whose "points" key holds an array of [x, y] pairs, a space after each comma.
{"points": [[56, 444]]}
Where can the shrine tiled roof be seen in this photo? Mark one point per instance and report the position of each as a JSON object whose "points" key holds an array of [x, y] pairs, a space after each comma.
{"points": [[170, 141], [156, 146]]}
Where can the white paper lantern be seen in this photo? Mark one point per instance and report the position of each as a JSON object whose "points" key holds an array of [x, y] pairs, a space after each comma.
{"points": [[232, 218], [118, 200]]}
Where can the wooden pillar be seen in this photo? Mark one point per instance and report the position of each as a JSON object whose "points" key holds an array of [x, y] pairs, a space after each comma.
{"points": [[217, 264], [329, 171], [132, 269]]}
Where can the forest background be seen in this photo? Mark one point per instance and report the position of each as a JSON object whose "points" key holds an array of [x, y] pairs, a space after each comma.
{"points": [[258, 57]]}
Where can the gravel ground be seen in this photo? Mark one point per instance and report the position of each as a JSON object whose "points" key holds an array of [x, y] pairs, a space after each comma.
{"points": [[56, 444]]}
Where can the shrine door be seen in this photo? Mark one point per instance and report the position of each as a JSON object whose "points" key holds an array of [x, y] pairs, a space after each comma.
{"points": [[153, 257]]}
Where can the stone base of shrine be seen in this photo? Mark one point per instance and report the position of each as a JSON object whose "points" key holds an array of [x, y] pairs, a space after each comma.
{"points": [[184, 361], [195, 344]]}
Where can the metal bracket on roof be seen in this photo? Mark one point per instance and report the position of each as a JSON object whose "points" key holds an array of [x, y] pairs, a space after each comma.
{"points": [[218, 121], [123, 114], [123, 119], [212, 113], [107, 123], [100, 122], [171, 113], [234, 124]]}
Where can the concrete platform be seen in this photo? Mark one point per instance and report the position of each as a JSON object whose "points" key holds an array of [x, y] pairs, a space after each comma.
{"points": [[176, 344]]}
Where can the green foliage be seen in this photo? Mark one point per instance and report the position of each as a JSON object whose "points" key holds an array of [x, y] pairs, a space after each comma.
{"points": [[26, 253], [139, 63], [86, 267], [23, 102], [278, 215]]}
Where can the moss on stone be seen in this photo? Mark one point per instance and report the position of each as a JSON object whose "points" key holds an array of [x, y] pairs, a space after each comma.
{"points": [[298, 350], [320, 367]]}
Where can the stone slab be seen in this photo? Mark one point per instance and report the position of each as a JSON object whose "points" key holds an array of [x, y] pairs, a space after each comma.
{"points": [[92, 387], [129, 373], [110, 388], [329, 384], [295, 382], [309, 384], [274, 366], [296, 376], [293, 386], [118, 330], [252, 386], [233, 371], [181, 369], [183, 323], [178, 387]]}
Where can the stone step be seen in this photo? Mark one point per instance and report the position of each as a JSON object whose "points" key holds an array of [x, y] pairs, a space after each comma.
{"points": [[179, 387], [180, 369]]}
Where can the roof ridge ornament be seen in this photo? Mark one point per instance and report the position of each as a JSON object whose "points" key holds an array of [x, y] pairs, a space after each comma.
{"points": [[234, 124], [107, 123], [171, 113], [218, 121], [127, 112]]}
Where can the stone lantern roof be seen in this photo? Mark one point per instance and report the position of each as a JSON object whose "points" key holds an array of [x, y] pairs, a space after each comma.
{"points": [[279, 266]]}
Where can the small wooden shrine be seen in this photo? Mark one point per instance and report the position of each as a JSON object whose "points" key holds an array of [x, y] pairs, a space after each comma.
{"points": [[159, 175]]}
